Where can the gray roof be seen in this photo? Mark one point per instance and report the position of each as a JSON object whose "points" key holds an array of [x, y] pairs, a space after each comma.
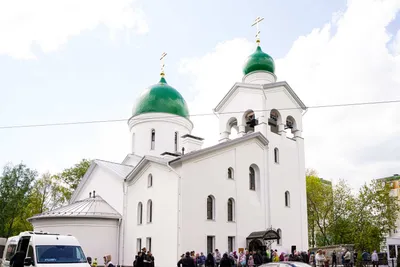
{"points": [[95, 207], [121, 170]]}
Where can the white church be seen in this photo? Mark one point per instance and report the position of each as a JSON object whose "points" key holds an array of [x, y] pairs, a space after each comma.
{"points": [[171, 195]]}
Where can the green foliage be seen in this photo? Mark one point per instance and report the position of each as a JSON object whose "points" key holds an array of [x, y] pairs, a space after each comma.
{"points": [[320, 206], [15, 186], [23, 194], [69, 179], [362, 219]]}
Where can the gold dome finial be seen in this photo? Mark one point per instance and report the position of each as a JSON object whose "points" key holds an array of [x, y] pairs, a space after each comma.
{"points": [[162, 64], [256, 22]]}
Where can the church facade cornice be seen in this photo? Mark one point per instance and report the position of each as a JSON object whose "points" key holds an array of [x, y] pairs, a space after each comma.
{"points": [[159, 117], [261, 87], [257, 136]]}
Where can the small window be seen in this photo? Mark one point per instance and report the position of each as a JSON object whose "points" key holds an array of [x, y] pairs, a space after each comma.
{"points": [[279, 241], [252, 178], [138, 244], [231, 209], [276, 155], [231, 243], [150, 180], [287, 199], [149, 211], [148, 244], [11, 249], [140, 213], [31, 254], [210, 244], [210, 207], [176, 142], [153, 139], [230, 173]]}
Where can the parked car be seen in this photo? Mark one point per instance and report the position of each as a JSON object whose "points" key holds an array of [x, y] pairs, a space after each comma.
{"points": [[43, 249], [286, 264]]}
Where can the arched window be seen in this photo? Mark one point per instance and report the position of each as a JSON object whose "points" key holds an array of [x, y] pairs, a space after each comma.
{"points": [[176, 142], [276, 155], [230, 173], [210, 207], [150, 180], [290, 126], [274, 121], [279, 241], [149, 211], [250, 119], [252, 178], [140, 213], [231, 210], [287, 199], [153, 139]]}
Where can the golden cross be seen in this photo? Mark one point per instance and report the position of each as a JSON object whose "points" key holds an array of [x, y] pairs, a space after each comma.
{"points": [[162, 63], [256, 22]]}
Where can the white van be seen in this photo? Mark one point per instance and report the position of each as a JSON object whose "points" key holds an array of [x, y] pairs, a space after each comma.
{"points": [[51, 250], [9, 250]]}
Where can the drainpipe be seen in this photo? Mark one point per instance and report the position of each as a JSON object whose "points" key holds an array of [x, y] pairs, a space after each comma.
{"points": [[179, 209], [118, 241], [122, 234]]}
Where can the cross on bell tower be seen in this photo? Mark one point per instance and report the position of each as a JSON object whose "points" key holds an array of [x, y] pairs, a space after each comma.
{"points": [[163, 55], [256, 22]]}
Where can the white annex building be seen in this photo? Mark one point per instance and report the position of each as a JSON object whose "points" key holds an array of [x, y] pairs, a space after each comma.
{"points": [[170, 195]]}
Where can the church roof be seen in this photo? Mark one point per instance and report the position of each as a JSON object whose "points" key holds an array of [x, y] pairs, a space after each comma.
{"points": [[161, 98], [121, 170], [259, 61], [94, 207], [256, 135]]}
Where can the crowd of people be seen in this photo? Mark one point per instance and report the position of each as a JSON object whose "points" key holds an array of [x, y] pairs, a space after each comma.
{"points": [[235, 259]]}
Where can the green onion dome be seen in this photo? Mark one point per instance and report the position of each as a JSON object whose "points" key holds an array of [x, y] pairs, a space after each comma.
{"points": [[259, 61], [161, 98]]}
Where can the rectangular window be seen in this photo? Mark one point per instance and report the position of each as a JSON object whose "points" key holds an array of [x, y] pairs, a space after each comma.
{"points": [[176, 142], [231, 243], [210, 244], [148, 243], [392, 251], [138, 244], [153, 139]]}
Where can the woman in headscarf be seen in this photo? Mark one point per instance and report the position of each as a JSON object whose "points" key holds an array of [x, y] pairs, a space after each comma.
{"points": [[210, 260]]}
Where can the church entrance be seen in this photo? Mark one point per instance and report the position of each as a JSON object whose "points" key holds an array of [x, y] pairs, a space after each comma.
{"points": [[262, 240], [256, 245]]}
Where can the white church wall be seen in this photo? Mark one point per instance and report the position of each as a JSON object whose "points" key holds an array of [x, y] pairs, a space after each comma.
{"points": [[288, 175], [164, 126], [107, 184], [98, 237], [163, 228], [209, 176], [244, 99]]}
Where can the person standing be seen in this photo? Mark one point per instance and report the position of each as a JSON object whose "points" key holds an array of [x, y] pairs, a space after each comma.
{"points": [[374, 259], [334, 263]]}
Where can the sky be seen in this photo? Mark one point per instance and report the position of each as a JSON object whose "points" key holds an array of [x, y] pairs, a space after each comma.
{"points": [[74, 61]]}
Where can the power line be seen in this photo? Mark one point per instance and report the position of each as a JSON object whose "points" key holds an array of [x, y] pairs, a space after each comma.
{"points": [[193, 115]]}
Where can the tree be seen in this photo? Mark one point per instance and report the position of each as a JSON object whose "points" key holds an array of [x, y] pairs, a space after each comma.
{"points": [[343, 205], [70, 178], [319, 208], [15, 185], [374, 215]]}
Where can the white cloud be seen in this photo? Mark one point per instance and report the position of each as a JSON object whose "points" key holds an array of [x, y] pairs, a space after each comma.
{"points": [[49, 23], [346, 60]]}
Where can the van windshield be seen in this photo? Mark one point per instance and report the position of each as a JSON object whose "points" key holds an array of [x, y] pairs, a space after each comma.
{"points": [[60, 254]]}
